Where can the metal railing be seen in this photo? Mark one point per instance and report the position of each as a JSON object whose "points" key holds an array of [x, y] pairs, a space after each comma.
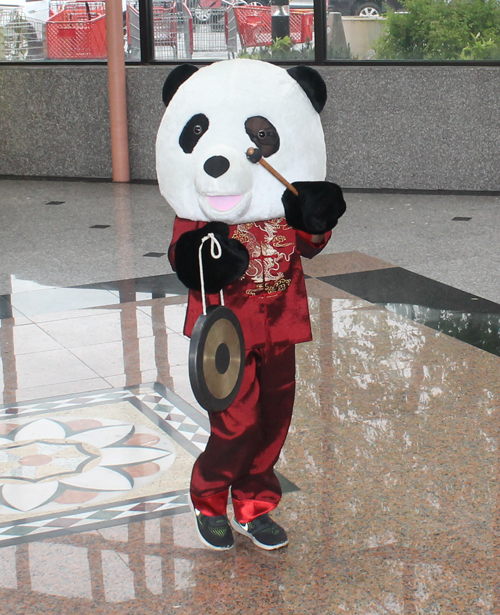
{"points": [[20, 39]]}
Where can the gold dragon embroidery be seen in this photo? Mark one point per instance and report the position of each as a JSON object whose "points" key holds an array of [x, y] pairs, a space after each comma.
{"points": [[268, 255]]}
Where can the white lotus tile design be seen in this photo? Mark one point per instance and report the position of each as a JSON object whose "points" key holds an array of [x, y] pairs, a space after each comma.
{"points": [[53, 461]]}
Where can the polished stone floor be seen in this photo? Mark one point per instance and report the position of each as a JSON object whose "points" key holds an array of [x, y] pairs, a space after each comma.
{"points": [[391, 468]]}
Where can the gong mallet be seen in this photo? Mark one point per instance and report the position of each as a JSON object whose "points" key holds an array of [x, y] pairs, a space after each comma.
{"points": [[255, 156]]}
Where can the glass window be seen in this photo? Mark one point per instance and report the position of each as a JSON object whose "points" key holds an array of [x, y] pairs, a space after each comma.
{"points": [[221, 29], [62, 30], [132, 32], [76, 31], [277, 30], [413, 30], [22, 29], [52, 30], [174, 30]]}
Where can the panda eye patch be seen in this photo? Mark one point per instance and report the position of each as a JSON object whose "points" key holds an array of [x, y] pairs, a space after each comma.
{"points": [[192, 132], [263, 134]]}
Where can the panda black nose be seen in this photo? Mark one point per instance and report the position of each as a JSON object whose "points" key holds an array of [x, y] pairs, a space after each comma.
{"points": [[216, 166]]}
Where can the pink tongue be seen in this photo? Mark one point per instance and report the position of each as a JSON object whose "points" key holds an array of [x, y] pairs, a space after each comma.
{"points": [[223, 203]]}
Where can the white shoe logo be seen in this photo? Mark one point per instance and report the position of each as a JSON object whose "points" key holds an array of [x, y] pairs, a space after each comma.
{"points": [[244, 526]]}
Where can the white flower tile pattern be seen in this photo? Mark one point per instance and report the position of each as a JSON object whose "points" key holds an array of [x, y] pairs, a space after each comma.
{"points": [[40, 459], [65, 468]]}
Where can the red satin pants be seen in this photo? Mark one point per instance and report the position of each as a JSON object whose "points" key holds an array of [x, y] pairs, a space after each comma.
{"points": [[246, 439]]}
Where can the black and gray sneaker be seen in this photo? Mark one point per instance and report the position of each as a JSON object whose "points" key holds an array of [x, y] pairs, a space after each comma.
{"points": [[214, 532], [263, 532]]}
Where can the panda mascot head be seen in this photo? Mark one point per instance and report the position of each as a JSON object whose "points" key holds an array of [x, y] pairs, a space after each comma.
{"points": [[214, 114]]}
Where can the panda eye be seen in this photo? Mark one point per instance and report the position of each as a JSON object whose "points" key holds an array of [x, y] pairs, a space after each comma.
{"points": [[263, 134], [192, 132]]}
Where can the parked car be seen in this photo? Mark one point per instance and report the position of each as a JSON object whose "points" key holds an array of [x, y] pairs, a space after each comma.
{"points": [[363, 8]]}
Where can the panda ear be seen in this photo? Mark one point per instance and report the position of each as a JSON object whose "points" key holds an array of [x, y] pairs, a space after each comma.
{"points": [[175, 79], [312, 83]]}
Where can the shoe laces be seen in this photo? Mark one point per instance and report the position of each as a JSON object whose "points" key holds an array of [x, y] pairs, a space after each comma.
{"points": [[217, 525], [264, 524]]}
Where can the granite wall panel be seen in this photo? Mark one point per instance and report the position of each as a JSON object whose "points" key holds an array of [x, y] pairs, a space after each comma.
{"points": [[406, 127], [428, 128], [54, 121], [145, 110]]}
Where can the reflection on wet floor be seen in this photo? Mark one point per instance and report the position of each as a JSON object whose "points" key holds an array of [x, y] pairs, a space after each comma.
{"points": [[453, 312], [449, 310], [477, 329], [29, 298], [398, 285], [393, 448]]}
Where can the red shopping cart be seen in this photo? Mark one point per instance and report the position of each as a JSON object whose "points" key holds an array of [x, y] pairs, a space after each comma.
{"points": [[254, 25], [78, 32]]}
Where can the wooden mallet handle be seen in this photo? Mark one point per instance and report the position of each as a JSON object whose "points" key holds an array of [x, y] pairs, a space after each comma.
{"points": [[255, 155]]}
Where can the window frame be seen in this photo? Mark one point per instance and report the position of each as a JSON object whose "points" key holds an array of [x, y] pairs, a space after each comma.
{"points": [[146, 28]]}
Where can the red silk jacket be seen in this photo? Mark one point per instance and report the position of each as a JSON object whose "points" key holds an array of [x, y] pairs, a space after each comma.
{"points": [[270, 299]]}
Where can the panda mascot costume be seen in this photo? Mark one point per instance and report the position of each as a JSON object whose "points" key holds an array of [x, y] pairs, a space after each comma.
{"points": [[213, 116]]}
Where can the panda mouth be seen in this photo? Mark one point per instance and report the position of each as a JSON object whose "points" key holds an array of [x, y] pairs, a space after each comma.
{"points": [[224, 203]]}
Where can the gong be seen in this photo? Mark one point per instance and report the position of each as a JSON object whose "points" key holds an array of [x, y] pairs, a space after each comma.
{"points": [[216, 358]]}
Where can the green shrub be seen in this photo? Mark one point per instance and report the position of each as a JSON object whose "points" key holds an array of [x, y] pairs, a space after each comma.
{"points": [[281, 49], [441, 30]]}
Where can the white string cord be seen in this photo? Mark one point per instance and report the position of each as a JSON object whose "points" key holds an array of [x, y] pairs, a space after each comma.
{"points": [[215, 252]]}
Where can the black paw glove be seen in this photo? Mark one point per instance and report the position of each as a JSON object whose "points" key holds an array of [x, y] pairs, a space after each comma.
{"points": [[317, 209], [217, 273]]}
